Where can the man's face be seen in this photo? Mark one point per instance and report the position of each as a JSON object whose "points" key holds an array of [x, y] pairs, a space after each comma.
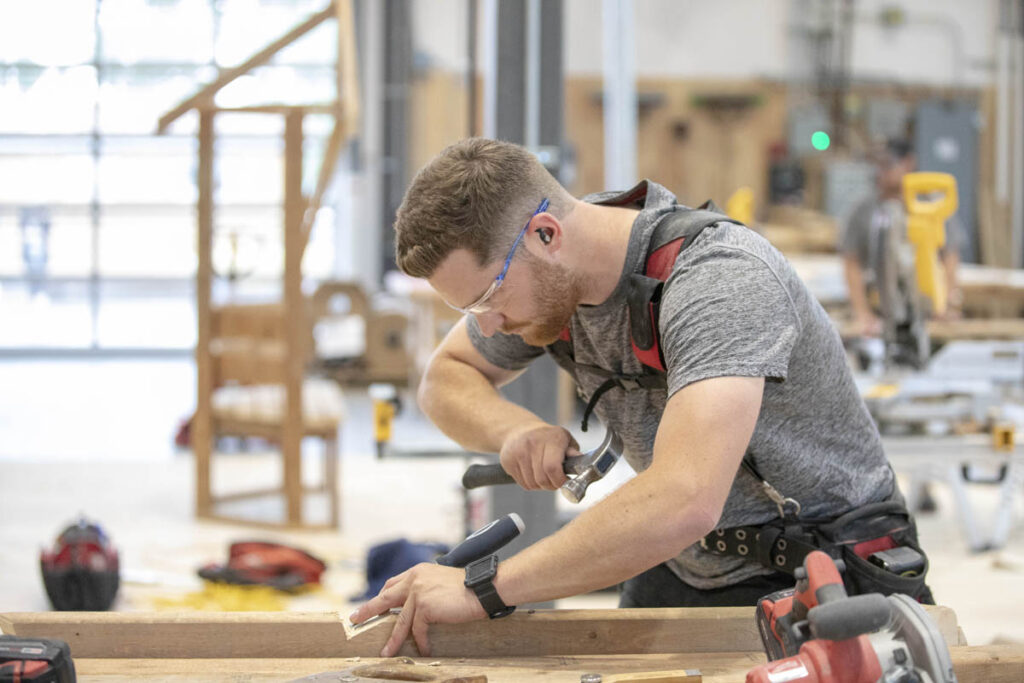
{"points": [[535, 302], [553, 296], [891, 172]]}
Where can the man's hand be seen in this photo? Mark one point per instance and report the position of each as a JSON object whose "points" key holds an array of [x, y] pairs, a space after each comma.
{"points": [[533, 455], [869, 325], [428, 594]]}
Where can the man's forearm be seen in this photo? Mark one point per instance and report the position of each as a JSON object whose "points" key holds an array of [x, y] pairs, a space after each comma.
{"points": [[468, 408], [855, 287], [635, 528]]}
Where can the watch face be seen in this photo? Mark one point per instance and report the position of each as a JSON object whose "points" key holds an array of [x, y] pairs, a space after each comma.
{"points": [[481, 570]]}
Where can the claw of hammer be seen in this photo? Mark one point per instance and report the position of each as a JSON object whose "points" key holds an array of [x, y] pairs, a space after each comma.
{"points": [[591, 466]]}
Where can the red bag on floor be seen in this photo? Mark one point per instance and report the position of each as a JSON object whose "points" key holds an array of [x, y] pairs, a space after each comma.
{"points": [[252, 563]]}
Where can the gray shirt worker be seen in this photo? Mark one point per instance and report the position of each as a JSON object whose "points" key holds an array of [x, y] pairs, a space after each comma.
{"points": [[733, 306], [864, 228]]}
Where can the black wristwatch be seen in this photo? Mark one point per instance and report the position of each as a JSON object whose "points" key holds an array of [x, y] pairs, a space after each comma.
{"points": [[479, 579]]}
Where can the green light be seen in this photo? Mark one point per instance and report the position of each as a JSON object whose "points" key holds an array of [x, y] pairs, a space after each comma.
{"points": [[820, 140]]}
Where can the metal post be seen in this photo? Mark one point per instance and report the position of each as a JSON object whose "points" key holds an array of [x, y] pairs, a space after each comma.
{"points": [[397, 86], [523, 104], [619, 95], [368, 245], [1017, 215]]}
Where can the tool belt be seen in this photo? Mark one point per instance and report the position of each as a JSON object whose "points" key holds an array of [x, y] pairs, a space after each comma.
{"points": [[857, 537]]}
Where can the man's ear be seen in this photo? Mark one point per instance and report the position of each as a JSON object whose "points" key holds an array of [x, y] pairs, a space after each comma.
{"points": [[545, 235]]}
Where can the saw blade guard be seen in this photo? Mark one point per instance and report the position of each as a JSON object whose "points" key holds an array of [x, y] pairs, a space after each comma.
{"points": [[912, 632]]}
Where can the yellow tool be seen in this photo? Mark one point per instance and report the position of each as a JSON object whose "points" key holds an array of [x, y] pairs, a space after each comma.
{"points": [[926, 228], [385, 407], [740, 206], [1003, 436]]}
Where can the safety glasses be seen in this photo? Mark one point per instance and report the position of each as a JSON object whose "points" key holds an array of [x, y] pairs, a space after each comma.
{"points": [[480, 305]]}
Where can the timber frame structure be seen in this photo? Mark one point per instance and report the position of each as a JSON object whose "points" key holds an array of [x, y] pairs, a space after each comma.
{"points": [[299, 213], [714, 645]]}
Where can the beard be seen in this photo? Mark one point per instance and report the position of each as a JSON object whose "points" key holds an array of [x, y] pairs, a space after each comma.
{"points": [[557, 293]]}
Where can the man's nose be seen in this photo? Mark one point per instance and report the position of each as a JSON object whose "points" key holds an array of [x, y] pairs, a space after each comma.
{"points": [[489, 322]]}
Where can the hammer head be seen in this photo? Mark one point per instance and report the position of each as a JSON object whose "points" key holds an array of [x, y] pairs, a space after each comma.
{"points": [[591, 466]]}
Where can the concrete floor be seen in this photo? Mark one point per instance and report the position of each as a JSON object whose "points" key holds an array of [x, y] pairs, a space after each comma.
{"points": [[94, 438]]}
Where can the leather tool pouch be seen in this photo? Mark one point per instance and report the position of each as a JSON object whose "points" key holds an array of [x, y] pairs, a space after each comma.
{"points": [[853, 537], [868, 532]]}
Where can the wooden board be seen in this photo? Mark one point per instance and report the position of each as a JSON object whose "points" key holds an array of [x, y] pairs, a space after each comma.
{"points": [[713, 668], [556, 645], [327, 634], [990, 664], [225, 76]]}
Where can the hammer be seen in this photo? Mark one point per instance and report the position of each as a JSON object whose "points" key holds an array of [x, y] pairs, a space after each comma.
{"points": [[583, 470]]}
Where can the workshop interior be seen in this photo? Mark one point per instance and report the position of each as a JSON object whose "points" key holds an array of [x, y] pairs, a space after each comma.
{"points": [[211, 449]]}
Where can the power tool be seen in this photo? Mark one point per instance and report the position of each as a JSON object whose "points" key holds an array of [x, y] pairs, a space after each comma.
{"points": [[926, 229], [81, 572], [35, 660], [816, 633]]}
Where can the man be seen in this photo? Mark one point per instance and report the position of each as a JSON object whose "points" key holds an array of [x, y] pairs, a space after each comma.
{"points": [[864, 242], [753, 366]]}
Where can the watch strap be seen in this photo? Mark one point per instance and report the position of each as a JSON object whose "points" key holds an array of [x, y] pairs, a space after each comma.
{"points": [[485, 591]]}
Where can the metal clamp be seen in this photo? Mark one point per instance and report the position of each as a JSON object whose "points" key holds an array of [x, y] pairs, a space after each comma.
{"points": [[781, 501]]}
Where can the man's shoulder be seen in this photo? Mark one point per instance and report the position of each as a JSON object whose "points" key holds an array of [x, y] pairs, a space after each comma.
{"points": [[726, 239]]}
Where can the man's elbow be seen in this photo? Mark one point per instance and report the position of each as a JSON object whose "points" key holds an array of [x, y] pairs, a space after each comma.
{"points": [[689, 523], [700, 519], [427, 391]]}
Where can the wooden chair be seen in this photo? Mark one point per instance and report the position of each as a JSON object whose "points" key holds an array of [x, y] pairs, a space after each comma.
{"points": [[248, 354], [251, 360]]}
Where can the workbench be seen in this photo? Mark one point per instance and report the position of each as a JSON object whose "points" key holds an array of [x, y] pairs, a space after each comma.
{"points": [[556, 645]]}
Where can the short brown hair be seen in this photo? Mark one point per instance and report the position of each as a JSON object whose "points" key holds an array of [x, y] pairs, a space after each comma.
{"points": [[470, 196]]}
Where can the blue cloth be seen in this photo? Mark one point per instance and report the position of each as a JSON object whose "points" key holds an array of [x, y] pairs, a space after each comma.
{"points": [[391, 559]]}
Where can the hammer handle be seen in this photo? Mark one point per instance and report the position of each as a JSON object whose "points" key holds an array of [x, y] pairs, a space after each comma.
{"points": [[493, 475], [485, 475]]}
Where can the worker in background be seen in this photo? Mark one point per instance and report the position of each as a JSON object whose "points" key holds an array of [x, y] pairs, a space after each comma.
{"points": [[862, 233], [752, 367]]}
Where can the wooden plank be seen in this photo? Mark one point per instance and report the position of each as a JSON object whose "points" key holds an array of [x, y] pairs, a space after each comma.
{"points": [[988, 664], [295, 634], [673, 676], [202, 434], [332, 483], [582, 632], [976, 328], [131, 635], [947, 330], [254, 523], [206, 94], [348, 72], [262, 493], [246, 495], [327, 166], [323, 108], [715, 667], [295, 316]]}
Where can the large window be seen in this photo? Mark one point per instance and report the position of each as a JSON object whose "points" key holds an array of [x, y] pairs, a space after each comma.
{"points": [[97, 213]]}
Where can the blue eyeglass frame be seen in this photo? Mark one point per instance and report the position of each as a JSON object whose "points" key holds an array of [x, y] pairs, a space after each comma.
{"points": [[480, 305]]}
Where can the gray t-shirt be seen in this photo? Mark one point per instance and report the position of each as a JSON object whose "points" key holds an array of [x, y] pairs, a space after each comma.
{"points": [[733, 306], [862, 232]]}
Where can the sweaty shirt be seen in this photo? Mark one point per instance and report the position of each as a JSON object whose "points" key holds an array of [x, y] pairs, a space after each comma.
{"points": [[732, 306]]}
